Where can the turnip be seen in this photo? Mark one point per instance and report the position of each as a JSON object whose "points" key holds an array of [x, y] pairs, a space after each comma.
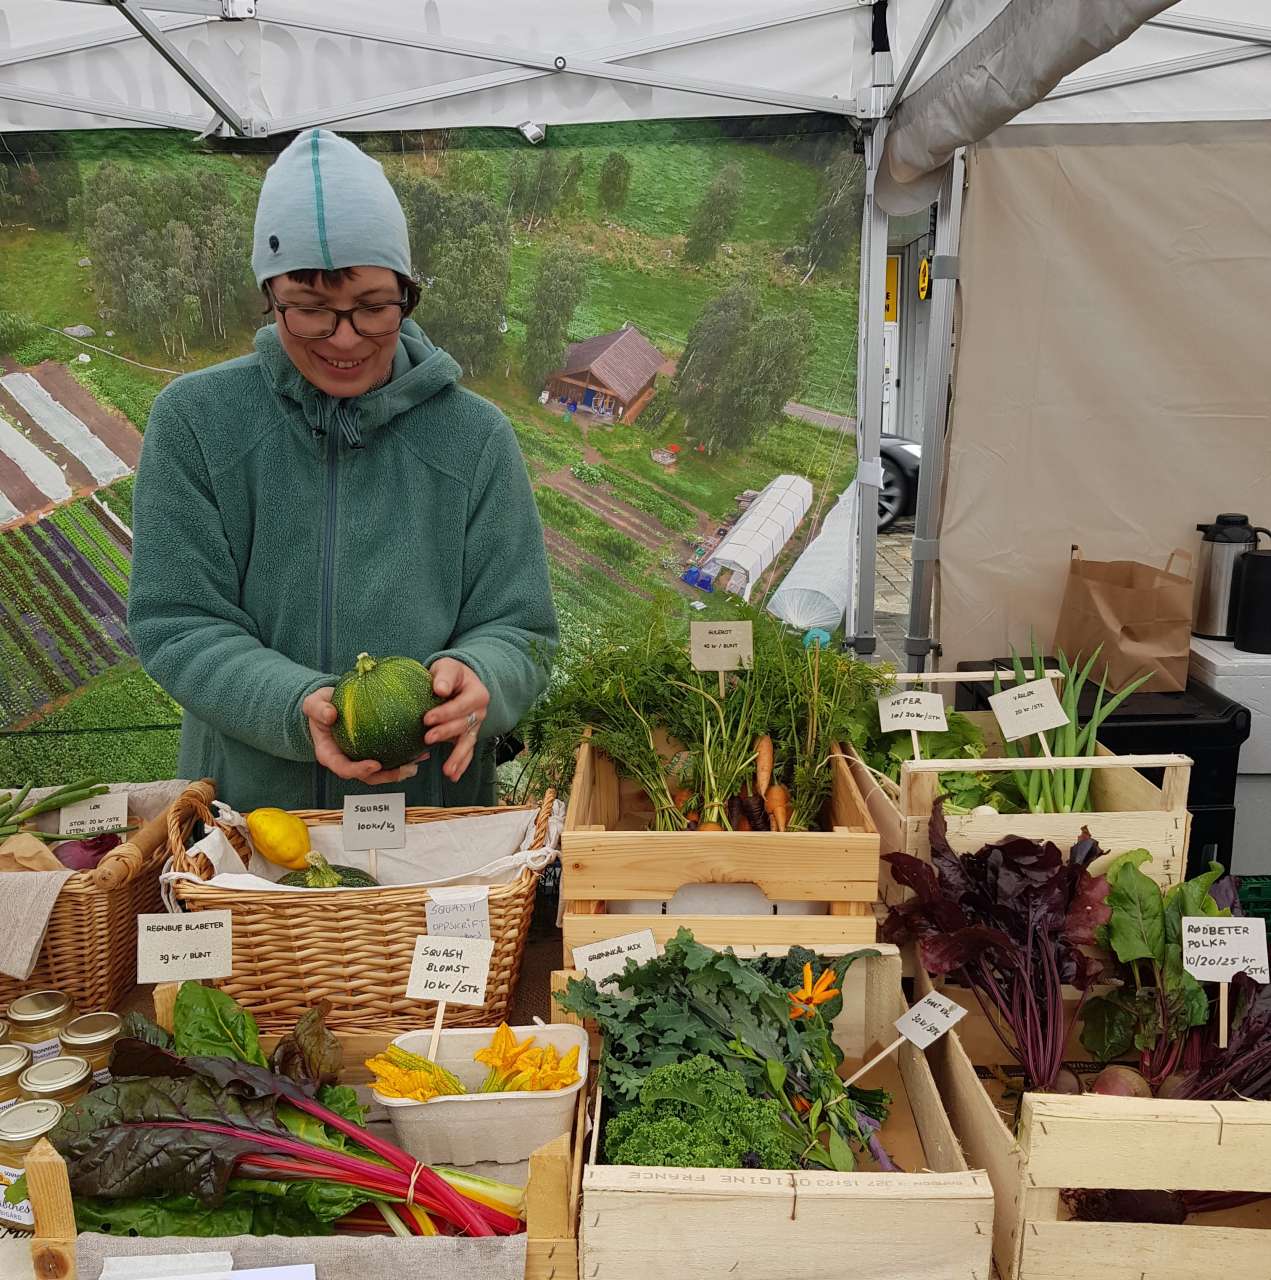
{"points": [[1121, 1082]]}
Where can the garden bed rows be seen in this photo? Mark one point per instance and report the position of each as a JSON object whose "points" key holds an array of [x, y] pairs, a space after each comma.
{"points": [[63, 601]]}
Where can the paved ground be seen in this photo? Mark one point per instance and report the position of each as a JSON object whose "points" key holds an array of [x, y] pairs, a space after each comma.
{"points": [[891, 600]]}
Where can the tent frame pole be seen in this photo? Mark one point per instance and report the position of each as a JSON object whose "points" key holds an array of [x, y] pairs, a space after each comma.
{"points": [[869, 396], [154, 36], [935, 414]]}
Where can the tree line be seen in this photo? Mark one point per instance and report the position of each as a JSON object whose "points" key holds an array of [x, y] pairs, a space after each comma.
{"points": [[171, 251]]}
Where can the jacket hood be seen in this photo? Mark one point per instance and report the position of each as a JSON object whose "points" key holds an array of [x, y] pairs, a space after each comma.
{"points": [[420, 371]]}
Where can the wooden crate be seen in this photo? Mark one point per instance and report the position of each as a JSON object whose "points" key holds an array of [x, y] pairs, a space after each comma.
{"points": [[1102, 1142], [608, 855], [1127, 811], [723, 1224], [552, 1193]]}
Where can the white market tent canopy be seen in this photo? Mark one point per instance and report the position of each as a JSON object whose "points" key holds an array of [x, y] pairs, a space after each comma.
{"points": [[755, 541], [817, 592], [922, 78]]}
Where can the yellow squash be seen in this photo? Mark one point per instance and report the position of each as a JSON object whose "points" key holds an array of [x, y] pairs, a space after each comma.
{"points": [[279, 836]]}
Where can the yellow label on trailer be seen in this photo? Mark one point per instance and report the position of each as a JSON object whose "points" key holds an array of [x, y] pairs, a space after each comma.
{"points": [[891, 307], [924, 278]]}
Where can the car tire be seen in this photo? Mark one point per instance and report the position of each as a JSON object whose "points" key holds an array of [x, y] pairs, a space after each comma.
{"points": [[893, 495]]}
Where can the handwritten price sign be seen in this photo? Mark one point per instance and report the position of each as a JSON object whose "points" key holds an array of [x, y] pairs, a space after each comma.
{"points": [[450, 970], [929, 1019], [1216, 948], [914, 709], [1027, 709], [184, 948]]}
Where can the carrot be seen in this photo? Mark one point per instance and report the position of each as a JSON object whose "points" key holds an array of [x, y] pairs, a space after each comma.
{"points": [[691, 821], [742, 823], [777, 803], [709, 826], [680, 797], [763, 765]]}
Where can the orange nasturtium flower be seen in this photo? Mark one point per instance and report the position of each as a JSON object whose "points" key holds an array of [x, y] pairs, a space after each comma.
{"points": [[805, 999]]}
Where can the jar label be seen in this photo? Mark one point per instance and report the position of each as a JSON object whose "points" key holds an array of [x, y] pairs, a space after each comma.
{"points": [[43, 1050], [14, 1215], [12, 1102], [102, 1077]]}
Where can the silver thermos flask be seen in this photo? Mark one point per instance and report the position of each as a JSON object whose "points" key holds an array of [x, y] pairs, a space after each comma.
{"points": [[1225, 541]]}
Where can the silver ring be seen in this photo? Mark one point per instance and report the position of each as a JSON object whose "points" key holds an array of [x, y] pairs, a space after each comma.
{"points": [[472, 722]]}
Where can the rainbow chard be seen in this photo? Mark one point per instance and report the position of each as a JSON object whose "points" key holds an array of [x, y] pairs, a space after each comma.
{"points": [[196, 1129], [1016, 922]]}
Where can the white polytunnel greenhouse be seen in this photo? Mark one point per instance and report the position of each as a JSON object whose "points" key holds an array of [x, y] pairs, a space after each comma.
{"points": [[817, 592], [755, 541]]}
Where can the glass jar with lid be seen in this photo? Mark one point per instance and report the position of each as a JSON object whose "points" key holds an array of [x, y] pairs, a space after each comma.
{"points": [[21, 1127], [91, 1036], [36, 1019], [14, 1060], [4, 1032], [63, 1080]]}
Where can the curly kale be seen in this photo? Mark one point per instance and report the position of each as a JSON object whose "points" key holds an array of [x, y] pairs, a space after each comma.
{"points": [[698, 1115]]}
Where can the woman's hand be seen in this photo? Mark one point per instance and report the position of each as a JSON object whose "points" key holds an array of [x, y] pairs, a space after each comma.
{"points": [[321, 714], [458, 719]]}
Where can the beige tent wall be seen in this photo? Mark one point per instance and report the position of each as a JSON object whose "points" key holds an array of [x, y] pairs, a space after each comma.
{"points": [[1113, 379]]}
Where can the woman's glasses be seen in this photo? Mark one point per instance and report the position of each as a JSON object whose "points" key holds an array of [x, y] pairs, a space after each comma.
{"points": [[377, 320]]}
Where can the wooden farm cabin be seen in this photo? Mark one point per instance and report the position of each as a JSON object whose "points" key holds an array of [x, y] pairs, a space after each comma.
{"points": [[611, 374]]}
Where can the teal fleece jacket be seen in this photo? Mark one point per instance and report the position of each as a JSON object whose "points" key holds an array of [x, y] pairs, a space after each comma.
{"points": [[278, 532]]}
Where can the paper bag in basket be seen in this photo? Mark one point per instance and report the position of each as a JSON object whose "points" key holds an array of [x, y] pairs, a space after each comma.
{"points": [[1142, 616]]}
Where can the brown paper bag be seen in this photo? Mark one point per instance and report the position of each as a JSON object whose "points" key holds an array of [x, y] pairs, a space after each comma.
{"points": [[1142, 616]]}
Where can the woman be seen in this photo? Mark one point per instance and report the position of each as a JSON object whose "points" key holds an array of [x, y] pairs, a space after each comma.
{"points": [[333, 493]]}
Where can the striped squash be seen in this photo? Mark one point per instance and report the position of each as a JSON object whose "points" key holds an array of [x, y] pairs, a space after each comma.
{"points": [[379, 704]]}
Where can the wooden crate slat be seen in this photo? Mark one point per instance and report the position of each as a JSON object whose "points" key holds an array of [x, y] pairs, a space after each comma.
{"points": [[1147, 1143], [815, 866], [710, 1230], [779, 932], [1138, 1251]]}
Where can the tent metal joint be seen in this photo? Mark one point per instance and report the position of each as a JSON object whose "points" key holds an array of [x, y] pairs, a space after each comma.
{"points": [[921, 647], [157, 39], [926, 549], [863, 645], [238, 10], [946, 266]]}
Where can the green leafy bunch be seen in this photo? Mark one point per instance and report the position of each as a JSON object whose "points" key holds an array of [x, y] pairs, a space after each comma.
{"points": [[1157, 1001], [699, 1115]]}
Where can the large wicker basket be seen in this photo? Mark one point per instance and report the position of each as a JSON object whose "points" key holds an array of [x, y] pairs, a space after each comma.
{"points": [[90, 948], [353, 948]]}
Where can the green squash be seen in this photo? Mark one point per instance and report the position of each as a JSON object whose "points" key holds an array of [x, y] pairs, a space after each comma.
{"points": [[379, 704], [320, 874]]}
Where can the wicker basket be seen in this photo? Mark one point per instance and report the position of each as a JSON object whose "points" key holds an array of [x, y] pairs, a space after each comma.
{"points": [[354, 948], [90, 948]]}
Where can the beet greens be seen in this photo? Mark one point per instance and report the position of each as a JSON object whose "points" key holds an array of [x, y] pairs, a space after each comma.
{"points": [[1014, 921]]}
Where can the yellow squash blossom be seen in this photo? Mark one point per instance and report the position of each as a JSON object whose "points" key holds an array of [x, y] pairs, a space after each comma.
{"points": [[399, 1074], [524, 1066], [806, 998]]}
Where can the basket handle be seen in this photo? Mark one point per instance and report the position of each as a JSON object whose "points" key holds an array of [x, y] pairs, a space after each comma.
{"points": [[127, 861], [193, 804], [543, 819]]}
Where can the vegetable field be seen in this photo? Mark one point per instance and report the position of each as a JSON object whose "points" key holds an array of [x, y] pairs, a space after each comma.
{"points": [[63, 601]]}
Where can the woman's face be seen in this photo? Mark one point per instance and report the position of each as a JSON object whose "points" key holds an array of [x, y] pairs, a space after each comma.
{"points": [[346, 363]]}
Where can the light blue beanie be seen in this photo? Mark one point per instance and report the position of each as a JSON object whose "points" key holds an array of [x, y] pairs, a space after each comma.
{"points": [[326, 204]]}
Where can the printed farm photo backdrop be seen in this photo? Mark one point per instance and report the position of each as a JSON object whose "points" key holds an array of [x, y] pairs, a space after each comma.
{"points": [[665, 311]]}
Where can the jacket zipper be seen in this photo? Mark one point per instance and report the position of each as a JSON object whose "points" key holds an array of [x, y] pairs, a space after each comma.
{"points": [[332, 446]]}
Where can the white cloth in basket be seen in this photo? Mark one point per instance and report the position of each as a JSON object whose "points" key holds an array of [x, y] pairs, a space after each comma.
{"points": [[487, 849]]}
